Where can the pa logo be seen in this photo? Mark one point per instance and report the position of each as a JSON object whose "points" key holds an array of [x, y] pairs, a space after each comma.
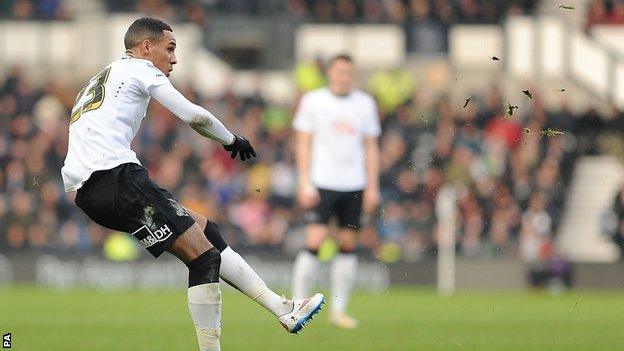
{"points": [[6, 341]]}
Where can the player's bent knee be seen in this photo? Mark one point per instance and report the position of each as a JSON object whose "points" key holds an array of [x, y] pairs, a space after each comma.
{"points": [[213, 234], [190, 245], [199, 219], [205, 268], [315, 236], [347, 249], [314, 243], [347, 239]]}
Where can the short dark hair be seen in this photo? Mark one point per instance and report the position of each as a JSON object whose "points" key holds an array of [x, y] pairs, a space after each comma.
{"points": [[144, 28], [340, 57]]}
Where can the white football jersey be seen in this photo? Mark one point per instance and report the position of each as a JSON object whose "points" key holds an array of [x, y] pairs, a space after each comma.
{"points": [[106, 117], [339, 125]]}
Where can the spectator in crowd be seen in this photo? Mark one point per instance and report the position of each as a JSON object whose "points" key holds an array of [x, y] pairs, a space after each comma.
{"points": [[613, 221], [605, 12]]}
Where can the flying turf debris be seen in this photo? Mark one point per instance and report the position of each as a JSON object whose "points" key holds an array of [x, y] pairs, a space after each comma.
{"points": [[467, 101], [550, 133], [528, 93], [510, 109]]}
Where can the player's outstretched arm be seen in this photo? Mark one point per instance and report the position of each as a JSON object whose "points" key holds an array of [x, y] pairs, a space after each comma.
{"points": [[202, 121]]}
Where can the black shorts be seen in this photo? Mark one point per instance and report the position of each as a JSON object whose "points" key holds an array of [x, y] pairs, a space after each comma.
{"points": [[345, 205], [127, 200]]}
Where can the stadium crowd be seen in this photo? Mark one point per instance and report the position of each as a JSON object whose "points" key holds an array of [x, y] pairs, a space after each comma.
{"points": [[346, 11], [425, 22], [511, 175], [35, 9]]}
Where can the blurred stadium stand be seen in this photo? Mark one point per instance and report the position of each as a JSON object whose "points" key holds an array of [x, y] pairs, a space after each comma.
{"points": [[519, 190]]}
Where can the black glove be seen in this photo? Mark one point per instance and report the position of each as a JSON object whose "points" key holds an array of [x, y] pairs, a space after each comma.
{"points": [[240, 146]]}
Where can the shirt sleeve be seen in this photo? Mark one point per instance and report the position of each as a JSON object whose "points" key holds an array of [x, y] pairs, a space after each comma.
{"points": [[200, 119], [372, 127], [304, 117], [147, 77]]}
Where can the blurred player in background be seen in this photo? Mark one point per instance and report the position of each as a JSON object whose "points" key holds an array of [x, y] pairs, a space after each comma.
{"points": [[115, 191], [338, 162]]}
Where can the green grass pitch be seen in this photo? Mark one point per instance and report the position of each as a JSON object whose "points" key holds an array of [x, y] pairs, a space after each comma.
{"points": [[402, 319]]}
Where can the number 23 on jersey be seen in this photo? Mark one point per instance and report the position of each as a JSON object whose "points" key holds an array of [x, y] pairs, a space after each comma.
{"points": [[95, 92]]}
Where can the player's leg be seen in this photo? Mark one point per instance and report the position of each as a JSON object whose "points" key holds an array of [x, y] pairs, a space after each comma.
{"points": [[292, 314], [306, 264], [204, 296], [237, 272], [343, 274], [343, 271], [188, 246], [305, 269]]}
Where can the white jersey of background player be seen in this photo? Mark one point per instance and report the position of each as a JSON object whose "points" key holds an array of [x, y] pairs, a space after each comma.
{"points": [[105, 120], [339, 126]]}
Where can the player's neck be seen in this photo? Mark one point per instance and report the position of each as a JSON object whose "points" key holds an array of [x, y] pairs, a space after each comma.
{"points": [[132, 54]]}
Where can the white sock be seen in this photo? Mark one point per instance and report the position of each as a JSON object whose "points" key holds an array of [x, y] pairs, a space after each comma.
{"points": [[343, 275], [304, 273], [237, 272], [205, 306]]}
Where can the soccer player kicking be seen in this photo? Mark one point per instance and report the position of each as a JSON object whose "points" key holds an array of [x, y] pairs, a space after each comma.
{"points": [[115, 191], [337, 159]]}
